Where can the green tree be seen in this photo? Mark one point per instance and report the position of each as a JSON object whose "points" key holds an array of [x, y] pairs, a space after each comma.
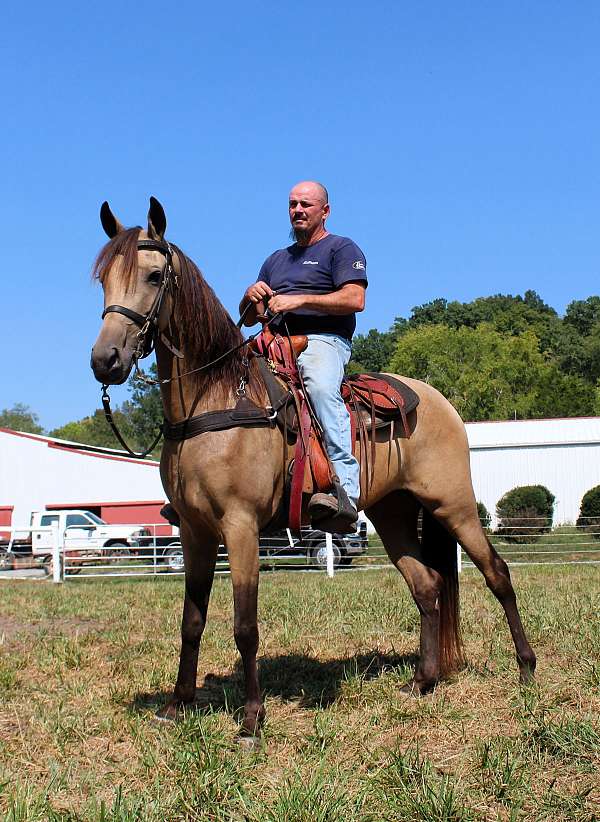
{"points": [[144, 411], [507, 313], [580, 354], [524, 513], [94, 430], [138, 420], [20, 418], [583, 315], [372, 351], [488, 375]]}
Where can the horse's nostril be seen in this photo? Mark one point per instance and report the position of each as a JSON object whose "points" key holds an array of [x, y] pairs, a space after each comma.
{"points": [[113, 359]]}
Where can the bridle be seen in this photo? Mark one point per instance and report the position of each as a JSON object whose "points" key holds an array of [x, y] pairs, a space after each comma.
{"points": [[148, 323], [149, 332]]}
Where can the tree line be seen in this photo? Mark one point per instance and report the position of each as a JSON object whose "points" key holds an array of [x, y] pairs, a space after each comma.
{"points": [[495, 358]]}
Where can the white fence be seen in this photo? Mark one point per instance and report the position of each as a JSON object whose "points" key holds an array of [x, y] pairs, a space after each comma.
{"points": [[159, 555], [68, 555], [12, 552], [155, 555]]}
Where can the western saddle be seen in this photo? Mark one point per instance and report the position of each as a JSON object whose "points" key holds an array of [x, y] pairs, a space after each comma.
{"points": [[376, 402]]}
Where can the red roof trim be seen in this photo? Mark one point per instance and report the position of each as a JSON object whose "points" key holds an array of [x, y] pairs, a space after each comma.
{"points": [[82, 505], [59, 447], [531, 419], [37, 437]]}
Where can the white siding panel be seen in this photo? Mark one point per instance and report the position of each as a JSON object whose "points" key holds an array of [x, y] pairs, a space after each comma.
{"points": [[32, 475], [563, 455]]}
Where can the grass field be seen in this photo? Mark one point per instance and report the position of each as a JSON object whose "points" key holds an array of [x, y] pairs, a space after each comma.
{"points": [[84, 666]]}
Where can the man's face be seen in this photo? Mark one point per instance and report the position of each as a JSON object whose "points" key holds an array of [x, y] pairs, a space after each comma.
{"points": [[308, 210]]}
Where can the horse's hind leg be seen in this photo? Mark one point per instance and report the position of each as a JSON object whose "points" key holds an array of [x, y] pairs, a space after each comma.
{"points": [[199, 558], [395, 519], [468, 531]]}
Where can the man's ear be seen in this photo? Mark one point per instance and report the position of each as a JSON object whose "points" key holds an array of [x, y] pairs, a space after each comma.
{"points": [[110, 224], [157, 221]]}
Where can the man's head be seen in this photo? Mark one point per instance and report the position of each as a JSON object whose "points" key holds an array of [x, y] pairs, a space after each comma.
{"points": [[309, 208]]}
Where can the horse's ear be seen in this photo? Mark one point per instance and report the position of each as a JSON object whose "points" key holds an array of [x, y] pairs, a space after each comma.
{"points": [[157, 222], [109, 222]]}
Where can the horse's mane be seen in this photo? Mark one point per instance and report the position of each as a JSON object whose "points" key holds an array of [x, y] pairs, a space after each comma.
{"points": [[204, 327]]}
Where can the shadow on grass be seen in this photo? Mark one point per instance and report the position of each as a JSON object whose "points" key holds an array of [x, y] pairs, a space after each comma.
{"points": [[303, 680]]}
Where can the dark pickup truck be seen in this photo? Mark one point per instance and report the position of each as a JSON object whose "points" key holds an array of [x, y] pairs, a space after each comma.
{"points": [[309, 550]]}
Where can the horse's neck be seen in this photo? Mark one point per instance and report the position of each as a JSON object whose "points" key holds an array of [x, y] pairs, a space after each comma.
{"points": [[184, 397]]}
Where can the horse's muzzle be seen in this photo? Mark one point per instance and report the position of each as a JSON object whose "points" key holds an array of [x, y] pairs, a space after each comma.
{"points": [[108, 366]]}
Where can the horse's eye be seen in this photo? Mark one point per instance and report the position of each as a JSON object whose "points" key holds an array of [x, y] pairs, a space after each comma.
{"points": [[154, 277]]}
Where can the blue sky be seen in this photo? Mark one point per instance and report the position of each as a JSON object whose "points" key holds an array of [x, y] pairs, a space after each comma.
{"points": [[460, 143]]}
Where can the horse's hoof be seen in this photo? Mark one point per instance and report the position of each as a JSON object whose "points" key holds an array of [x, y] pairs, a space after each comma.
{"points": [[411, 689], [168, 713], [250, 743], [527, 678]]}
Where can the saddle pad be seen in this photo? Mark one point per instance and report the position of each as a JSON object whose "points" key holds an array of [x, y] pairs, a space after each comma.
{"points": [[387, 394]]}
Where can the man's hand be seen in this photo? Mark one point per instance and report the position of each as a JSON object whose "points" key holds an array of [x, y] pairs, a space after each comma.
{"points": [[257, 294], [258, 291], [280, 303]]}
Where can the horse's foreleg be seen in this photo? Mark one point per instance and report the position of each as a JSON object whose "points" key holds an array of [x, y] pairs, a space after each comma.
{"points": [[395, 519], [242, 548], [199, 558]]}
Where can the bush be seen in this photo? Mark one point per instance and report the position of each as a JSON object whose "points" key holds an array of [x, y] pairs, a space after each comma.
{"points": [[484, 516], [525, 513], [589, 513]]}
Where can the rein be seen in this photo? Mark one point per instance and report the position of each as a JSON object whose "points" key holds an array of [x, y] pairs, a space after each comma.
{"points": [[149, 331]]}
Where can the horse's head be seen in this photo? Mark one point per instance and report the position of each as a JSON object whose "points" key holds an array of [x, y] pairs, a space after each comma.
{"points": [[135, 269]]}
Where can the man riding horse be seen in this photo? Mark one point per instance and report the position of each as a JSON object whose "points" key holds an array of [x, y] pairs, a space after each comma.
{"points": [[420, 497], [316, 286]]}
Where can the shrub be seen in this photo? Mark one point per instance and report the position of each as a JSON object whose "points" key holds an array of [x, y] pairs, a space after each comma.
{"points": [[589, 513], [524, 513], [484, 516]]}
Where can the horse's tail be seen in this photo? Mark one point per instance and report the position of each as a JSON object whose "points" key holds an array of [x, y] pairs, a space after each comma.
{"points": [[439, 550]]}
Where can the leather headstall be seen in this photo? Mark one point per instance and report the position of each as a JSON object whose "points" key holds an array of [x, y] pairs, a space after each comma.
{"points": [[148, 323]]}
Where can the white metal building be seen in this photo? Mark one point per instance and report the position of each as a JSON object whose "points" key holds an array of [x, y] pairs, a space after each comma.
{"points": [[562, 454], [39, 472]]}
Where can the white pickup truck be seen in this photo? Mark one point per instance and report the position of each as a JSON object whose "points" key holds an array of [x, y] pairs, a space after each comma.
{"points": [[77, 530]]}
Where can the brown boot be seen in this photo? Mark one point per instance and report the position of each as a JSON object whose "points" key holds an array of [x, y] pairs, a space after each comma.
{"points": [[331, 513]]}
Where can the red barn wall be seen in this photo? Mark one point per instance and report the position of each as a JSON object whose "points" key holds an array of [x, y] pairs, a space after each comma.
{"points": [[6, 512]]}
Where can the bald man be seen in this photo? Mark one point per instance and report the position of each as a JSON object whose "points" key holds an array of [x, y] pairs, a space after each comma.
{"points": [[317, 285]]}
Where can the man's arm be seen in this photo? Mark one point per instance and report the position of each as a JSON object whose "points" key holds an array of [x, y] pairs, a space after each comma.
{"points": [[346, 300]]}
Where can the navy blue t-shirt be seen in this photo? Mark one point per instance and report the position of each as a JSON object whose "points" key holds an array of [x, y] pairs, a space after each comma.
{"points": [[316, 269]]}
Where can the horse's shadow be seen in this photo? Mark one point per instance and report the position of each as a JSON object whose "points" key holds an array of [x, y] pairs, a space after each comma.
{"points": [[297, 678]]}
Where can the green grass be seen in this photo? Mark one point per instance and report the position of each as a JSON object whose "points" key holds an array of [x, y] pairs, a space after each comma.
{"points": [[84, 666]]}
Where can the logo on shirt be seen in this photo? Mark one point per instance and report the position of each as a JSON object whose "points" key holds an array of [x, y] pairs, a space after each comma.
{"points": [[310, 262], [359, 265]]}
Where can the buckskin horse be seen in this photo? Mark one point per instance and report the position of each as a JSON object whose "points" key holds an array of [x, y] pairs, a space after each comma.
{"points": [[226, 485]]}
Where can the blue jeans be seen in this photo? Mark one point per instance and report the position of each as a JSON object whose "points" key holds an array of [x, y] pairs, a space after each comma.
{"points": [[322, 368]]}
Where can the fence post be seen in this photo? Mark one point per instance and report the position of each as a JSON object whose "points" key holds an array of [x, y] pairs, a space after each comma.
{"points": [[57, 570], [154, 549], [329, 550], [458, 558]]}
